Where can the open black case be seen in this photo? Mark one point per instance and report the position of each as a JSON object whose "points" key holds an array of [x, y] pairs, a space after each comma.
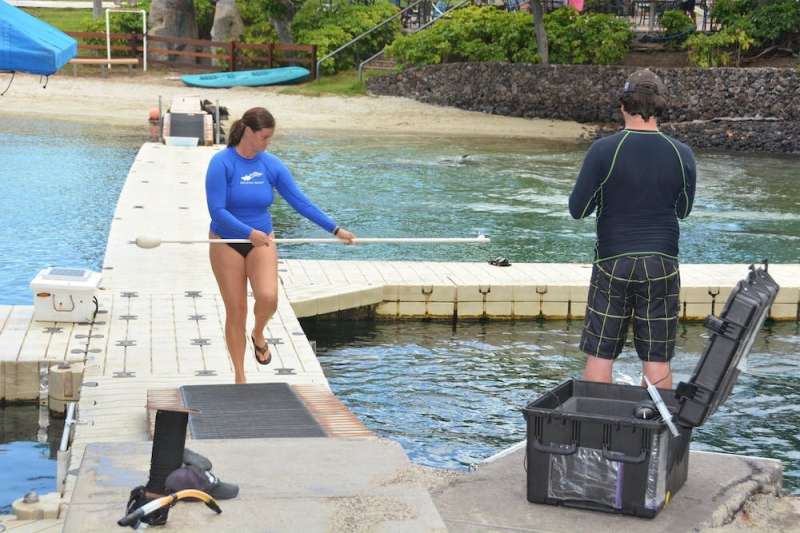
{"points": [[588, 445]]}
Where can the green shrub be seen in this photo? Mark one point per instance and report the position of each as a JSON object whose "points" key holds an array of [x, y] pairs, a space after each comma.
{"points": [[766, 21], [488, 34], [677, 23], [256, 17], [329, 27], [745, 24], [773, 21], [470, 34], [717, 49], [586, 39], [726, 12]]}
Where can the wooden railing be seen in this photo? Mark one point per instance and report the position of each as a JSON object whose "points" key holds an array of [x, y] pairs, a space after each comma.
{"points": [[197, 54]]}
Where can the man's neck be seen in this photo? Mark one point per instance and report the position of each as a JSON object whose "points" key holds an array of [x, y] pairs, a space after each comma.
{"points": [[636, 122]]}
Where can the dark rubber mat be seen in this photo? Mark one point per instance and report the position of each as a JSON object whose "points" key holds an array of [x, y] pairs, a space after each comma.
{"points": [[252, 410], [185, 125]]}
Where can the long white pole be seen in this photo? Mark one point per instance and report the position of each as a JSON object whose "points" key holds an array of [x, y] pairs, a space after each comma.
{"points": [[150, 242]]}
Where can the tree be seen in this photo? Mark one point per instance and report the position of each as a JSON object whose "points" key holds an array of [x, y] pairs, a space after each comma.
{"points": [[281, 19], [538, 28]]}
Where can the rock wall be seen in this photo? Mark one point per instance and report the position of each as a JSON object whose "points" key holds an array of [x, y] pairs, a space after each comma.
{"points": [[706, 105]]}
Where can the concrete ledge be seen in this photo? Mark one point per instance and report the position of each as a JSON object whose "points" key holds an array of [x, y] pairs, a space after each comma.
{"points": [[14, 525], [493, 498], [309, 485]]}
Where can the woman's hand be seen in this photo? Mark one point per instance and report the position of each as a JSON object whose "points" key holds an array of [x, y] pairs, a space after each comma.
{"points": [[259, 238], [344, 235]]}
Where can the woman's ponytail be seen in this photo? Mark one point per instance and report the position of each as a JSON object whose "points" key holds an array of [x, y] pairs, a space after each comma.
{"points": [[235, 135]]}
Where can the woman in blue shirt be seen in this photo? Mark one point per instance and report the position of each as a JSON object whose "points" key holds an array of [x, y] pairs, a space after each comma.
{"points": [[239, 189]]}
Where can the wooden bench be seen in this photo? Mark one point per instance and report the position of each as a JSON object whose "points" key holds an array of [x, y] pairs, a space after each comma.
{"points": [[103, 62]]}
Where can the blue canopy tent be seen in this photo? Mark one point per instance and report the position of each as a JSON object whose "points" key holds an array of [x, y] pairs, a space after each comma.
{"points": [[29, 45]]}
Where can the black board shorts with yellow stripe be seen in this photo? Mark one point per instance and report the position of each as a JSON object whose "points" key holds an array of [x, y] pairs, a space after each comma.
{"points": [[644, 289]]}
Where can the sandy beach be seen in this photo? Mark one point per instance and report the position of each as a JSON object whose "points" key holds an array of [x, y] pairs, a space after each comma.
{"points": [[124, 100]]}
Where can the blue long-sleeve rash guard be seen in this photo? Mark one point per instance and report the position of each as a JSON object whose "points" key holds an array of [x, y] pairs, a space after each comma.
{"points": [[640, 183], [239, 193]]}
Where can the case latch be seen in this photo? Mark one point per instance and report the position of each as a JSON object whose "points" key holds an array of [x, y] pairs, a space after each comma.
{"points": [[726, 328], [685, 390]]}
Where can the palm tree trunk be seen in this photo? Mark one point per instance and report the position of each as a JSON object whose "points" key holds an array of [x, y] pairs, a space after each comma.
{"points": [[541, 34]]}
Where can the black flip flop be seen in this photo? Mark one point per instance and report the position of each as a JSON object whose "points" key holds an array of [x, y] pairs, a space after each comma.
{"points": [[500, 261], [258, 350]]}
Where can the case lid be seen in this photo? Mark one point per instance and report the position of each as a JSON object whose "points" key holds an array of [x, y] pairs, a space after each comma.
{"points": [[66, 274], [732, 336], [61, 277]]}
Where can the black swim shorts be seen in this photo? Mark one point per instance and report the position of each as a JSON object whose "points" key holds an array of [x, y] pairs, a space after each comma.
{"points": [[643, 288]]}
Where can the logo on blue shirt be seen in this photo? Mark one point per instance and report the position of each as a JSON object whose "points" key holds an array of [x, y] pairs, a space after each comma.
{"points": [[247, 178]]}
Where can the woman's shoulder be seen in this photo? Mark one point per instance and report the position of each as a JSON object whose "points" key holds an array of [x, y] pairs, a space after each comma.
{"points": [[222, 156]]}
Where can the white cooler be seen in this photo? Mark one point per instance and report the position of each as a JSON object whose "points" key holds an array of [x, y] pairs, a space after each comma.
{"points": [[64, 294]]}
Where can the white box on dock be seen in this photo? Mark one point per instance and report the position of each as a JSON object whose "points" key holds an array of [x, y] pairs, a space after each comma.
{"points": [[64, 294]]}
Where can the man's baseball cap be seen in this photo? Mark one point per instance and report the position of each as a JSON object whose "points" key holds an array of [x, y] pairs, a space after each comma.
{"points": [[645, 82], [192, 477]]}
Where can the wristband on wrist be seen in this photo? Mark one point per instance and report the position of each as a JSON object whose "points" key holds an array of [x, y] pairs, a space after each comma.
{"points": [[336, 230]]}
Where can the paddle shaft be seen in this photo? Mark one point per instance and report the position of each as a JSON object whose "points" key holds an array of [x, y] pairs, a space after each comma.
{"points": [[363, 240]]}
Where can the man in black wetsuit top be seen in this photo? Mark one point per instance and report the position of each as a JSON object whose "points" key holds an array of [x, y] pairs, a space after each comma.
{"points": [[640, 182]]}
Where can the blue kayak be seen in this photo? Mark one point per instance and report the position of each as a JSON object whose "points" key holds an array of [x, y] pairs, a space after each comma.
{"points": [[247, 78]]}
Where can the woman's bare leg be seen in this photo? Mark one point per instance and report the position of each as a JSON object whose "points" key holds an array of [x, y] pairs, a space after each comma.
{"points": [[229, 269], [262, 270]]}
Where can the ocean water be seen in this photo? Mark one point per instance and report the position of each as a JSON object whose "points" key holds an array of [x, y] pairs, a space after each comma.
{"points": [[59, 184]]}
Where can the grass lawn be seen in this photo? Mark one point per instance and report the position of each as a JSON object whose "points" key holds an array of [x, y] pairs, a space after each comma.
{"points": [[340, 84], [63, 19]]}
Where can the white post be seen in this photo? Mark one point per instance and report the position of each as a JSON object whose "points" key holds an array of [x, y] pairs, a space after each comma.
{"points": [[216, 112], [144, 38], [144, 33], [108, 39]]}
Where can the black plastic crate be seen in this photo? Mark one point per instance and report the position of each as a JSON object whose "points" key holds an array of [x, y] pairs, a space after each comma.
{"points": [[587, 449], [586, 446]]}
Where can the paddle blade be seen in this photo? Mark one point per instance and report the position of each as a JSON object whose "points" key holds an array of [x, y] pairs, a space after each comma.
{"points": [[148, 242]]}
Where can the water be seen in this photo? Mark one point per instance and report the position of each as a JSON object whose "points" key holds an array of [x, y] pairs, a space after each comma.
{"points": [[27, 453], [516, 192], [451, 396], [59, 184]]}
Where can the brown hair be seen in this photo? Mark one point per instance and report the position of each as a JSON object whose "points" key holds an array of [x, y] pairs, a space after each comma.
{"points": [[256, 118], [641, 103]]}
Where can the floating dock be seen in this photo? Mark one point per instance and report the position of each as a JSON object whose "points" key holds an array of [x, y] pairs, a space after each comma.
{"points": [[160, 326]]}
